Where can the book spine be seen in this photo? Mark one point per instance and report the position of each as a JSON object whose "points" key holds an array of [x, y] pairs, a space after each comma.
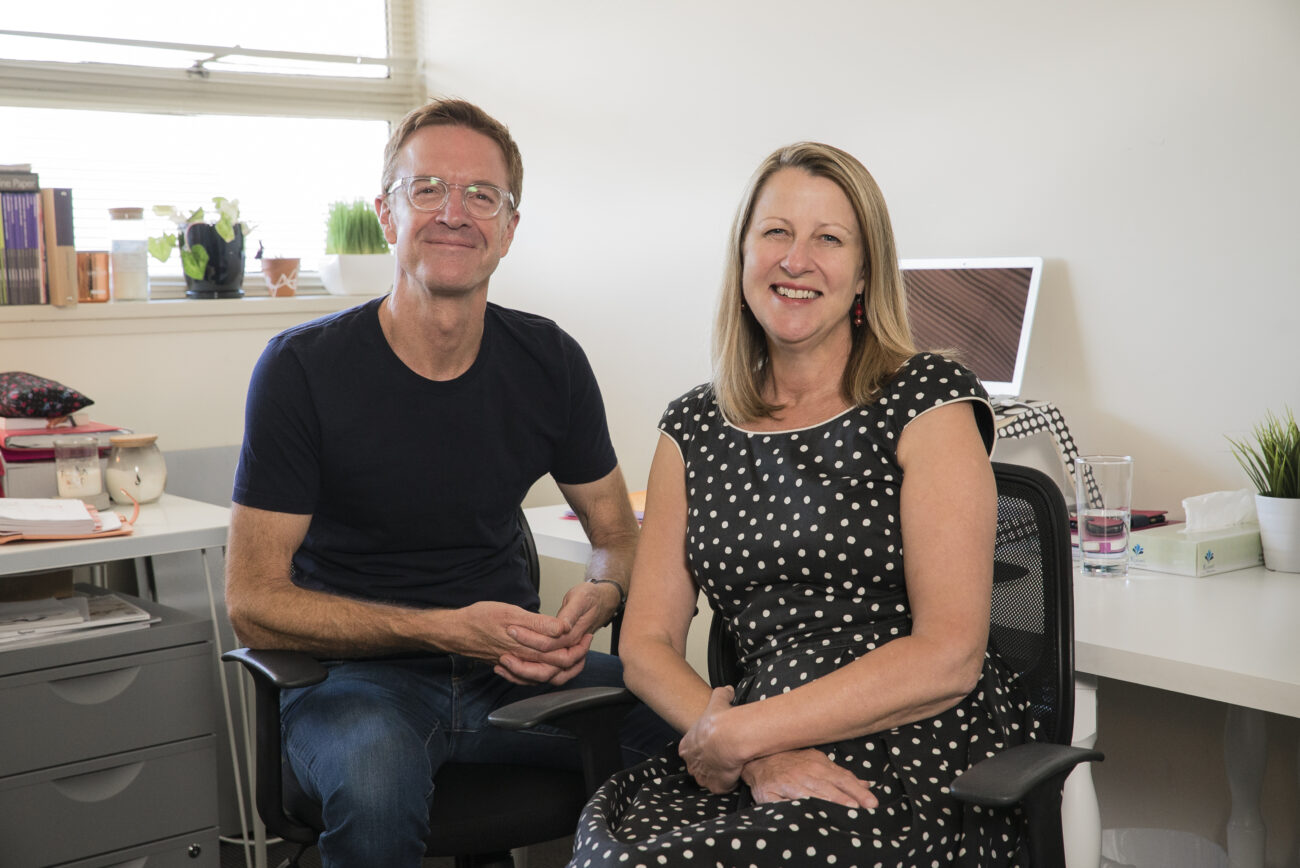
{"points": [[60, 250], [29, 223], [15, 181], [4, 279], [11, 247], [38, 231]]}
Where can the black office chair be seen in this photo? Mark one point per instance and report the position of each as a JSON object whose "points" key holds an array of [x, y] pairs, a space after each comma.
{"points": [[480, 811], [1032, 628]]}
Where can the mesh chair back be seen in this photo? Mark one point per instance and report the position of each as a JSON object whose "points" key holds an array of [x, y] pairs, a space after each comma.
{"points": [[1031, 624], [1032, 616]]}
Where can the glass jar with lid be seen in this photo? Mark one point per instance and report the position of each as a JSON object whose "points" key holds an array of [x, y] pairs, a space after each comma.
{"points": [[135, 468], [128, 270]]}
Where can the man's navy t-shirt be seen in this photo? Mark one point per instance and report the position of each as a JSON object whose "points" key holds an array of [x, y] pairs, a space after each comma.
{"points": [[413, 485]]}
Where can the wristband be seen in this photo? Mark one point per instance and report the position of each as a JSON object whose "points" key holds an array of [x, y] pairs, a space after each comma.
{"points": [[622, 594]]}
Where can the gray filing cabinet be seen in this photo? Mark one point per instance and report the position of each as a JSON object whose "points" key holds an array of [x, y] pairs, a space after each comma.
{"points": [[107, 750]]}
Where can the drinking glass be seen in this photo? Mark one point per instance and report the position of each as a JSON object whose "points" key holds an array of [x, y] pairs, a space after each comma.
{"points": [[1103, 492], [76, 467]]}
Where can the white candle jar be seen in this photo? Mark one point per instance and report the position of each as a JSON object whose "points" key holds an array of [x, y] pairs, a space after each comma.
{"points": [[135, 468]]}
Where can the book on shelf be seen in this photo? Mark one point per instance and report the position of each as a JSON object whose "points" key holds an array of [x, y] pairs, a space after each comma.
{"points": [[19, 177], [24, 261], [60, 249]]}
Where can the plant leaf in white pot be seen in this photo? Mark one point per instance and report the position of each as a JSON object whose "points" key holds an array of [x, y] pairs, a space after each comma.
{"points": [[357, 260], [1271, 458]]}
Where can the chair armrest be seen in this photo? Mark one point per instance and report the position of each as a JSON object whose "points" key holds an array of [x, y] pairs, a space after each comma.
{"points": [[1006, 778], [551, 707], [281, 668], [593, 714]]}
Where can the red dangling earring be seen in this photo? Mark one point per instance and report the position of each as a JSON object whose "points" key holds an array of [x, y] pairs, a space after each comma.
{"points": [[857, 310]]}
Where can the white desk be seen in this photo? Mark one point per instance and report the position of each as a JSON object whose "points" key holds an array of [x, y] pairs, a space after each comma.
{"points": [[172, 524], [1229, 638], [169, 525]]}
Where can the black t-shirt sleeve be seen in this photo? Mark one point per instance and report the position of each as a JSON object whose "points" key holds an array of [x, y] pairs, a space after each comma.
{"points": [[586, 453], [278, 465]]}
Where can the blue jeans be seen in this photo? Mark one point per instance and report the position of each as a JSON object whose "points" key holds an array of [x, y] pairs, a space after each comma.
{"points": [[367, 741]]}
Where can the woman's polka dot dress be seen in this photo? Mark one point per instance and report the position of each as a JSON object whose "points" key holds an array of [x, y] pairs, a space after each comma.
{"points": [[794, 538]]}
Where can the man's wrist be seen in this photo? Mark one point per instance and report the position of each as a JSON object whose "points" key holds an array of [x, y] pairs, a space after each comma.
{"points": [[622, 594]]}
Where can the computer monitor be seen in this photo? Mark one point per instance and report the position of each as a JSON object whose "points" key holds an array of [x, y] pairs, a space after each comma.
{"points": [[983, 308]]}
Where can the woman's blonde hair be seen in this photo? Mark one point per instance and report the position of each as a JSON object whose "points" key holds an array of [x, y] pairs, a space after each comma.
{"points": [[880, 345]]}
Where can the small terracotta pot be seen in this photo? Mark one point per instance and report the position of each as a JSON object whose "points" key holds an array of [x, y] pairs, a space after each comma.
{"points": [[281, 276]]}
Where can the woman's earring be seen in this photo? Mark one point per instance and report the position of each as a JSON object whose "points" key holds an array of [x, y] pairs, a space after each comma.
{"points": [[857, 310]]}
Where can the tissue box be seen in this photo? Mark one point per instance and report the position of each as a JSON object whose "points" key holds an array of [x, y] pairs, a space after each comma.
{"points": [[1204, 553]]}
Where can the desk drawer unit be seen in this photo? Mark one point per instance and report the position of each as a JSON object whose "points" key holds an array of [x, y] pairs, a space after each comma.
{"points": [[86, 710], [99, 806], [107, 751]]}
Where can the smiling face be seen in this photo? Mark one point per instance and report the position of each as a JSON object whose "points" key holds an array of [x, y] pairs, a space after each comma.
{"points": [[447, 252], [803, 261]]}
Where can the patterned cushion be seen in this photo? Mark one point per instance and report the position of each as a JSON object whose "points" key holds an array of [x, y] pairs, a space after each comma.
{"points": [[27, 396]]}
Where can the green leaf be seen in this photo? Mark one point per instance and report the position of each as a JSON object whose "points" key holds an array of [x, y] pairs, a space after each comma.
{"points": [[161, 247], [225, 228], [195, 261]]}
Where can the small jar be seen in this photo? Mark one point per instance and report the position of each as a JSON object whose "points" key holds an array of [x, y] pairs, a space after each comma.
{"points": [[135, 464], [128, 272]]}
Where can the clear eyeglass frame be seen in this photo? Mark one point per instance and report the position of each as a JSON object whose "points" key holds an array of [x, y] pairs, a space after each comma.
{"points": [[430, 193]]}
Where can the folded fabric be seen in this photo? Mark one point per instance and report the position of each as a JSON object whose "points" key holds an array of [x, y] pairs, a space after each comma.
{"points": [[27, 396]]}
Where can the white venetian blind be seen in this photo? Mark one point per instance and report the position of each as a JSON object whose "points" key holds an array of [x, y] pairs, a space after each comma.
{"points": [[281, 104]]}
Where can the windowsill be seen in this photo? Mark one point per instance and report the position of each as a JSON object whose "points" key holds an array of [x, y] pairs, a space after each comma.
{"points": [[167, 315]]}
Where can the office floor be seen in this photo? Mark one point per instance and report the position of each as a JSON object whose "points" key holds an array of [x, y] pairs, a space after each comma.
{"points": [[553, 854]]}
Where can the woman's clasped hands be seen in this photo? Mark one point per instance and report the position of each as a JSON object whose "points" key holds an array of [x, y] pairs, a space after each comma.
{"points": [[709, 751]]}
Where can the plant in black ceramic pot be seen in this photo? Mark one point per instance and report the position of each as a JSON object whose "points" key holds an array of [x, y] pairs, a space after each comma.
{"points": [[211, 247]]}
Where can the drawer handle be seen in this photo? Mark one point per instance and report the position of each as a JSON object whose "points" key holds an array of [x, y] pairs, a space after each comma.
{"points": [[98, 786], [94, 689]]}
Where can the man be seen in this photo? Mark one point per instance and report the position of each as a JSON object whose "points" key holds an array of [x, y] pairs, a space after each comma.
{"points": [[387, 449]]}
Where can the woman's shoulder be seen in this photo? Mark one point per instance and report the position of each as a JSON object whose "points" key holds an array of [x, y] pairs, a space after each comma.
{"points": [[928, 379], [685, 413]]}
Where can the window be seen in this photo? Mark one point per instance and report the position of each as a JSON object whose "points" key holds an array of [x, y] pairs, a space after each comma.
{"points": [[272, 102]]}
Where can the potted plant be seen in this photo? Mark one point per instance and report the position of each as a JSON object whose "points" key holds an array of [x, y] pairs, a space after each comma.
{"points": [[1271, 458], [357, 260], [211, 247], [279, 272]]}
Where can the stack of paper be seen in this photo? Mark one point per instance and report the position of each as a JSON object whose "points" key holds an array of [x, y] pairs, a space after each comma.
{"points": [[34, 622], [46, 515]]}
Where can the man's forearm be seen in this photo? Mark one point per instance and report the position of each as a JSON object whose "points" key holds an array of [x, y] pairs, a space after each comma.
{"points": [[298, 619]]}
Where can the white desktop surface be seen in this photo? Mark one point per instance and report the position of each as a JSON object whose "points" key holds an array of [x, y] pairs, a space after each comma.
{"points": [[1229, 637], [170, 524]]}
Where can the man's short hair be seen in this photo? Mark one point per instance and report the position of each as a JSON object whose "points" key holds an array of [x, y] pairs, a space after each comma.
{"points": [[455, 113]]}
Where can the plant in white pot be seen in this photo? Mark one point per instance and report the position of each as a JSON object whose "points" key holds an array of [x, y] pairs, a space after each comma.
{"points": [[1271, 458], [357, 260]]}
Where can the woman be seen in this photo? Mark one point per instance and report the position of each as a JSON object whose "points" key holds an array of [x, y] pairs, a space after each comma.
{"points": [[789, 490]]}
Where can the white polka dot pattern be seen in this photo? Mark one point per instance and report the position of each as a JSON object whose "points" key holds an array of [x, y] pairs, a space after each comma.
{"points": [[794, 538]]}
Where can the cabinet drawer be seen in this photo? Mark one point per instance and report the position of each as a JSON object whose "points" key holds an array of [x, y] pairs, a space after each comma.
{"points": [[108, 804], [70, 713], [199, 850]]}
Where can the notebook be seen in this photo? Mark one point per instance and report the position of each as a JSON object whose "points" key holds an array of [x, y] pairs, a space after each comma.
{"points": [[983, 308]]}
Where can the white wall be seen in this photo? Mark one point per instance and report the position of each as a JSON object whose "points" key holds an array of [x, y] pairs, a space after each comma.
{"points": [[1146, 148]]}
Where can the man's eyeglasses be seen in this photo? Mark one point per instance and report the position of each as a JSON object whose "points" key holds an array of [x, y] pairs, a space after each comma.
{"points": [[430, 194]]}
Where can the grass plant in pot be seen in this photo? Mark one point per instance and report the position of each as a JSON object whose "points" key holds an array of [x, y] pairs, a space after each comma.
{"points": [[211, 245], [357, 260], [1271, 458]]}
